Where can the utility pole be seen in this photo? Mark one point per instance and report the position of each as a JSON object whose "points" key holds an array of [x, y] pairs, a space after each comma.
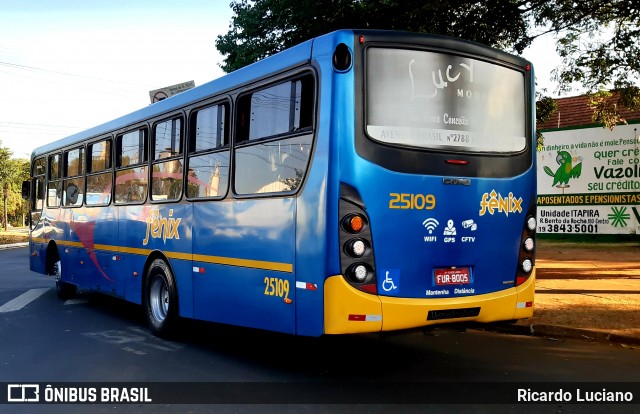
{"points": [[6, 197]]}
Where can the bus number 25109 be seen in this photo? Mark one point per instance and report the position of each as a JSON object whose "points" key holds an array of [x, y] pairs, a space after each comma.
{"points": [[406, 201]]}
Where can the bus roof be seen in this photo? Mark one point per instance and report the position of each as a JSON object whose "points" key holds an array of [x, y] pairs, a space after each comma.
{"points": [[288, 58]]}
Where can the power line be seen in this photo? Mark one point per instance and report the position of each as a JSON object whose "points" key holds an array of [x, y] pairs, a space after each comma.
{"points": [[33, 68], [38, 125]]}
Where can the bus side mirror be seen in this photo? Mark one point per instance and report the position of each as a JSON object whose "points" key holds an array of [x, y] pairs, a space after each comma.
{"points": [[26, 190]]}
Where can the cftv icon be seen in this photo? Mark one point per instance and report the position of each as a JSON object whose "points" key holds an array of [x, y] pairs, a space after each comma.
{"points": [[23, 393]]}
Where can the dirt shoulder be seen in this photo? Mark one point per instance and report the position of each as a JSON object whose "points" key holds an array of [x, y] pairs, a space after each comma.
{"points": [[593, 286]]}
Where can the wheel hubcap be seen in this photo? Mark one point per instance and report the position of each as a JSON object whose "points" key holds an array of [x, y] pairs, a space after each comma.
{"points": [[159, 299]]}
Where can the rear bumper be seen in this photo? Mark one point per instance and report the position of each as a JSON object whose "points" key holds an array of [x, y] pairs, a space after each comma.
{"points": [[348, 310]]}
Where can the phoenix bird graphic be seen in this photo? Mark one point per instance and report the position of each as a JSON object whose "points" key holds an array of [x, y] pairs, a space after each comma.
{"points": [[566, 171]]}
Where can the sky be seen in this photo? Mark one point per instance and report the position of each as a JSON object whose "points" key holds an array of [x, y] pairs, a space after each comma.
{"points": [[69, 65]]}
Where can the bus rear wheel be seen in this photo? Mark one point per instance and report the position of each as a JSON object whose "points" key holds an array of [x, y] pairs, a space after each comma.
{"points": [[160, 299]]}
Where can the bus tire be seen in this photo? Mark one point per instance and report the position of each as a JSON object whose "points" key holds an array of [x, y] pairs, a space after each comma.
{"points": [[160, 299], [64, 290]]}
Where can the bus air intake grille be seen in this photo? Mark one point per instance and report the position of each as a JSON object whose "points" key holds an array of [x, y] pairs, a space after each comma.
{"points": [[452, 313]]}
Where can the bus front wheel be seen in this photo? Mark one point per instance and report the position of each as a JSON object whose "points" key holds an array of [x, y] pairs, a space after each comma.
{"points": [[63, 289], [160, 299]]}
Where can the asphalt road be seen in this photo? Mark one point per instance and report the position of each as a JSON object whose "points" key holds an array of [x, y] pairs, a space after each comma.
{"points": [[96, 339]]}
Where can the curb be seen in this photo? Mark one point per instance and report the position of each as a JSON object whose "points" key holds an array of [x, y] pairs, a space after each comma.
{"points": [[13, 245], [554, 331]]}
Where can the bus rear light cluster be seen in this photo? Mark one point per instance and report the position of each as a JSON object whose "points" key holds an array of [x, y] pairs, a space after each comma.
{"points": [[531, 223], [526, 260], [358, 272], [527, 265], [353, 223], [528, 244], [356, 259], [356, 248]]}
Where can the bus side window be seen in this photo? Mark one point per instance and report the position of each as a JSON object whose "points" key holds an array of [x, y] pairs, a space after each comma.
{"points": [[54, 186], [39, 193], [274, 137], [131, 169], [39, 169], [73, 185], [99, 175], [166, 175], [208, 171]]}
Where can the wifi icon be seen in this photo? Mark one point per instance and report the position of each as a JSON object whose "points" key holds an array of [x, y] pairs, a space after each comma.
{"points": [[430, 224]]}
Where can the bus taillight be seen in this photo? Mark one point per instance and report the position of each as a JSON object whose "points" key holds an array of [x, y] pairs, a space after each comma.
{"points": [[353, 223], [356, 248], [526, 257], [356, 257]]}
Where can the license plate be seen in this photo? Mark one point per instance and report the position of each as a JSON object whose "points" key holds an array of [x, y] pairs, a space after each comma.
{"points": [[452, 276]]}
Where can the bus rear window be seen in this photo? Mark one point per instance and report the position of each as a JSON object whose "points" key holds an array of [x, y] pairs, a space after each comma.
{"points": [[445, 102]]}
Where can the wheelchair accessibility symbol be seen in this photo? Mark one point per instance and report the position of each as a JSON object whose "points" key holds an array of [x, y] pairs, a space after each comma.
{"points": [[391, 281]]}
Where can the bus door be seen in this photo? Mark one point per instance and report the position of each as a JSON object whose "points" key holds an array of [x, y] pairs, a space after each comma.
{"points": [[34, 190]]}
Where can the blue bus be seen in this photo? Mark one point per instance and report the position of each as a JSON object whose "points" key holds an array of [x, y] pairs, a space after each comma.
{"points": [[362, 181]]}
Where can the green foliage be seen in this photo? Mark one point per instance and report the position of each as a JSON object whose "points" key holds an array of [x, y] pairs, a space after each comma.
{"points": [[5, 172], [605, 109], [12, 172], [598, 41], [545, 107], [263, 27]]}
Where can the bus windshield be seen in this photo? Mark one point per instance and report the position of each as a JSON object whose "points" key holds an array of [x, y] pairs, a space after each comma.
{"points": [[441, 101]]}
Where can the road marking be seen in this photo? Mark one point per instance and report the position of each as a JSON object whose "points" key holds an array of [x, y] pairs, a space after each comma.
{"points": [[23, 300], [134, 340], [79, 301]]}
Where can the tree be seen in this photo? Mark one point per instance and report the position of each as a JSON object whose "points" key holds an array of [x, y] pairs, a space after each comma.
{"points": [[263, 27], [6, 175], [17, 206], [545, 107], [598, 40], [12, 173]]}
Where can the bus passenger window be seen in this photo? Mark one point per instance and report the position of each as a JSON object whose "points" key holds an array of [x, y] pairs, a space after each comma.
{"points": [[274, 137], [166, 175], [208, 175], [73, 185], [208, 171], [54, 187], [131, 174], [38, 172], [39, 193], [99, 175], [168, 139], [39, 167]]}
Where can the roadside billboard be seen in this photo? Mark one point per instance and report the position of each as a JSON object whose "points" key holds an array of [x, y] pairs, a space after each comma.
{"points": [[589, 181]]}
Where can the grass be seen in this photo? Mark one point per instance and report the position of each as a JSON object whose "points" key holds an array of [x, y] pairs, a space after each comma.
{"points": [[13, 236]]}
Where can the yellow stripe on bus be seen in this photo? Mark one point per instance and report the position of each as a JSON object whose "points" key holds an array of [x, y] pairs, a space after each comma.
{"points": [[69, 243], [229, 261], [254, 264]]}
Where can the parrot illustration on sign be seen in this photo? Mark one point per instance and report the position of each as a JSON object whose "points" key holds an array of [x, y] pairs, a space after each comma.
{"points": [[566, 171]]}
